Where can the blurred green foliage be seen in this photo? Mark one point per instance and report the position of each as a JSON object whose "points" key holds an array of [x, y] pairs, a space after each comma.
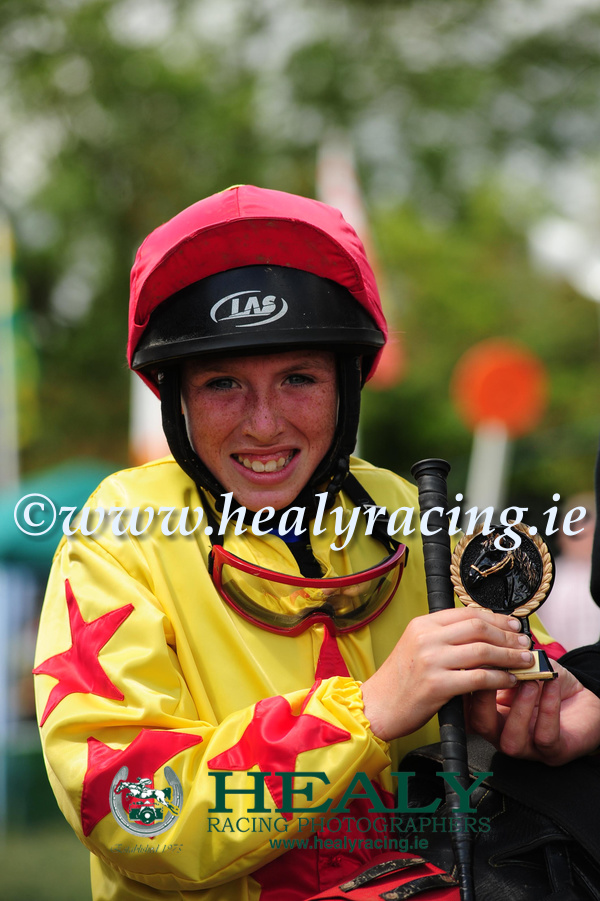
{"points": [[464, 115], [443, 275]]}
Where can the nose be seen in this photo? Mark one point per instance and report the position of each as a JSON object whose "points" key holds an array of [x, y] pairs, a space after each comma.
{"points": [[263, 420]]}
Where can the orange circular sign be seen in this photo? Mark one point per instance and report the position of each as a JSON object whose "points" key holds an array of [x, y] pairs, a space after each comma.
{"points": [[500, 381]]}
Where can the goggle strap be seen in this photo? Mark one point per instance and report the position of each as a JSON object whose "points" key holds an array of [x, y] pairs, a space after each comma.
{"points": [[211, 520], [361, 498], [308, 564]]}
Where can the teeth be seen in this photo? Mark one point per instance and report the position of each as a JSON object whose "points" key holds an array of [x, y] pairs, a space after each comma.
{"points": [[269, 466]]}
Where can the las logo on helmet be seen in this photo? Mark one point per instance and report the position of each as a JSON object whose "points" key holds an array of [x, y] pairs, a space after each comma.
{"points": [[264, 311]]}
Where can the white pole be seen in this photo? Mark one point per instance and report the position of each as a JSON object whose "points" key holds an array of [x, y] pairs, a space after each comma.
{"points": [[488, 468], [146, 437]]}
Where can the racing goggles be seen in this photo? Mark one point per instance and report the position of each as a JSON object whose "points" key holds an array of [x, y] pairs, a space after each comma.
{"points": [[287, 605]]}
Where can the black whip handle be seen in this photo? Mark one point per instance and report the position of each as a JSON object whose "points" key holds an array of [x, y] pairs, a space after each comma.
{"points": [[431, 476]]}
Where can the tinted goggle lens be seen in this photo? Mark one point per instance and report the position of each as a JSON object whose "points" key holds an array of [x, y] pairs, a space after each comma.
{"points": [[288, 604]]}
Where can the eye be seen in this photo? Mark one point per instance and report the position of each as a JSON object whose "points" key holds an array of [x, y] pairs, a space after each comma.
{"points": [[298, 378], [221, 384]]}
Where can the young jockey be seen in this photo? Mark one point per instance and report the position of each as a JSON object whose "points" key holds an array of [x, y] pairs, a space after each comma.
{"points": [[259, 663]]}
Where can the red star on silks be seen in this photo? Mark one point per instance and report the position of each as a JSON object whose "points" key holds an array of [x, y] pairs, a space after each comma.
{"points": [[143, 757], [78, 669], [273, 740]]}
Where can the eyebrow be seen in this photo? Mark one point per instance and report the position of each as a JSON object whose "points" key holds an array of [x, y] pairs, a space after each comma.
{"points": [[307, 363], [223, 366]]}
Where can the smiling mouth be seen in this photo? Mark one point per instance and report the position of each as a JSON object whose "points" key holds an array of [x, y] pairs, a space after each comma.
{"points": [[275, 464]]}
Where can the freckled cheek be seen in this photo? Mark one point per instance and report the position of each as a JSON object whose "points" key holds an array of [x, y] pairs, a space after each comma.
{"points": [[211, 424], [314, 415]]}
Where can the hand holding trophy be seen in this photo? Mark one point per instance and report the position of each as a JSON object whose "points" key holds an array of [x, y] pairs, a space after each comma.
{"points": [[489, 571]]}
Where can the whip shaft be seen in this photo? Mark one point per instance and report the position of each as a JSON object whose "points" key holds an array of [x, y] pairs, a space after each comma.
{"points": [[431, 476]]}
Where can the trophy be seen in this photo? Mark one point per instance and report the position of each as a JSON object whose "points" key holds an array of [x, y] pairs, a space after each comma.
{"points": [[488, 571]]}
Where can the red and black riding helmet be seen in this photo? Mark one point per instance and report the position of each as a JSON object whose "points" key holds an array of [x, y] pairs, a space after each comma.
{"points": [[250, 270]]}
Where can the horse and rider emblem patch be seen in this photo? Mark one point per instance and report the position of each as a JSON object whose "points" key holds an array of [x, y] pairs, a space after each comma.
{"points": [[487, 570], [142, 809]]}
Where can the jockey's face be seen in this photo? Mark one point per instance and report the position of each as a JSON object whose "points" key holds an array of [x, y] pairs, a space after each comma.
{"points": [[261, 424]]}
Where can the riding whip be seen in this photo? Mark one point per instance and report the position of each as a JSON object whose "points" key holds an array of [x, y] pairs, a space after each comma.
{"points": [[431, 477]]}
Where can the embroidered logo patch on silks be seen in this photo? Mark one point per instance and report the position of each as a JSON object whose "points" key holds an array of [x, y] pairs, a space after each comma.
{"points": [[142, 809]]}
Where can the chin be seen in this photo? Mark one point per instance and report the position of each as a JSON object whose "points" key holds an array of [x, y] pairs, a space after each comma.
{"points": [[255, 500], [253, 503]]}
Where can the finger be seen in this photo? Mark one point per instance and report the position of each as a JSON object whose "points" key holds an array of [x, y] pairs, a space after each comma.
{"points": [[442, 685], [506, 698], [477, 629], [516, 735], [473, 630], [483, 716], [473, 680], [546, 735], [458, 614], [480, 654]]}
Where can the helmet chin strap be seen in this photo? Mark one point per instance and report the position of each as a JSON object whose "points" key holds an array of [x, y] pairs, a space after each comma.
{"points": [[175, 429]]}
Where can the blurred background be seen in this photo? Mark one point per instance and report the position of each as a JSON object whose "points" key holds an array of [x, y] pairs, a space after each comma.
{"points": [[460, 137]]}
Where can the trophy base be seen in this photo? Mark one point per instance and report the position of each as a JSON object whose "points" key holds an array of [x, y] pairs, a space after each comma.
{"points": [[541, 669]]}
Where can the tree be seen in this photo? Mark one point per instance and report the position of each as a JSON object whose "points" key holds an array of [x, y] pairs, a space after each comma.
{"points": [[122, 112]]}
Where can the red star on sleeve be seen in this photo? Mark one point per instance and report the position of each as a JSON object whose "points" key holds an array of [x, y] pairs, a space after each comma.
{"points": [[143, 757], [78, 669], [273, 740]]}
